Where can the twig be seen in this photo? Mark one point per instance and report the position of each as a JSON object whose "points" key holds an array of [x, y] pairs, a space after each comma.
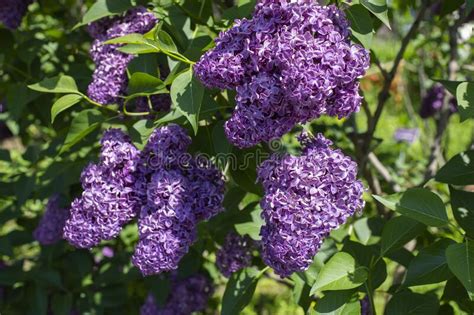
{"points": [[436, 154], [385, 92], [382, 170]]}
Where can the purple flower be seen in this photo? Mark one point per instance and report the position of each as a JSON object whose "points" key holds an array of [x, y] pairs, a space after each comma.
{"points": [[407, 135], [110, 78], [108, 200], [292, 62], [50, 227], [12, 12], [108, 252], [186, 297], [235, 254], [176, 197], [305, 198], [433, 102]]}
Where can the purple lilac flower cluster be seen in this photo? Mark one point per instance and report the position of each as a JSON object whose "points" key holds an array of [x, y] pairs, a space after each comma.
{"points": [[110, 78], [169, 190], [178, 193], [235, 254], [50, 227], [408, 135], [186, 297], [12, 12], [292, 62], [365, 308], [433, 101], [108, 200], [305, 198]]}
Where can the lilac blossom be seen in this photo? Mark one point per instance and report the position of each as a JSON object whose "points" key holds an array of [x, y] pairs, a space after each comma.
{"points": [[176, 197], [406, 135], [50, 227], [305, 198], [108, 200], [235, 254], [290, 63], [433, 101], [110, 78], [12, 12]]}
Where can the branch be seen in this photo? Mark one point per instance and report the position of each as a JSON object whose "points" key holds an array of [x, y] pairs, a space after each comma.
{"points": [[436, 154], [385, 92]]}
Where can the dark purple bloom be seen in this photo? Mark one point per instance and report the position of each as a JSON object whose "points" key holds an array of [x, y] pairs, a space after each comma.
{"points": [[186, 297], [110, 78], [292, 62], [305, 198], [407, 135], [12, 12], [50, 227], [176, 197], [433, 102], [108, 200], [235, 254]]}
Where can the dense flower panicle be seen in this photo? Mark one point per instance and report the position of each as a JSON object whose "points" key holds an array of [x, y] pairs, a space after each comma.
{"points": [[292, 62], [235, 254], [50, 227], [433, 102], [108, 200], [305, 198], [12, 12], [186, 296], [110, 77], [176, 197]]}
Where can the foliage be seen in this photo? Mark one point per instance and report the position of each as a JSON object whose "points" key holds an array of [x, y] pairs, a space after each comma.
{"points": [[409, 251]]}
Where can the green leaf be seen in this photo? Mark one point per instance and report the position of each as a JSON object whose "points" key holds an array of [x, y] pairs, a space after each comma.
{"points": [[419, 204], [82, 125], [253, 227], [64, 103], [301, 292], [460, 259], [59, 84], [394, 237], [239, 290], [361, 24], [61, 303], [137, 49], [462, 205], [451, 86], [340, 273], [430, 265], [133, 38], [409, 303], [337, 302], [142, 83], [144, 63], [458, 171], [36, 300], [379, 9], [187, 94], [103, 8], [222, 146], [165, 42], [465, 98]]}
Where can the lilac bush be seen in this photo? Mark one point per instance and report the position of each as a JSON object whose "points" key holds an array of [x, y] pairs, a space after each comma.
{"points": [[433, 101], [305, 198], [290, 63]]}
